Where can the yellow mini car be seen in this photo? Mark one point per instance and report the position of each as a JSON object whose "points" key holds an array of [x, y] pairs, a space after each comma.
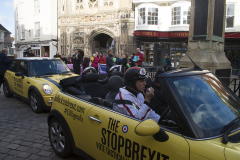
{"points": [[35, 80], [200, 123]]}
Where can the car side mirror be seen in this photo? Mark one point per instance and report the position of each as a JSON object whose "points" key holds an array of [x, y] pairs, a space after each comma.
{"points": [[19, 74], [72, 70], [147, 128]]}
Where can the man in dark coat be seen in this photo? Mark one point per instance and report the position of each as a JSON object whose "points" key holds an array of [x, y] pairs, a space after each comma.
{"points": [[64, 59], [76, 62], [57, 55], [167, 63], [158, 103], [4, 64], [109, 60], [31, 54]]}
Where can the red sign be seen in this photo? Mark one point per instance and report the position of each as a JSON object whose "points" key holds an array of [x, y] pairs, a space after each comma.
{"points": [[180, 34]]}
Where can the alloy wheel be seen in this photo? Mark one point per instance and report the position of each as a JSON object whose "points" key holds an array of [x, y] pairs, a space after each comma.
{"points": [[57, 137]]}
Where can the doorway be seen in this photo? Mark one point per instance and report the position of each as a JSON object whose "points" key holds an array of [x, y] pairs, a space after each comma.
{"points": [[102, 42]]}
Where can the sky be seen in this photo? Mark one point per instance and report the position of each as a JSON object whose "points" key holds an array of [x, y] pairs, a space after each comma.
{"points": [[7, 15]]}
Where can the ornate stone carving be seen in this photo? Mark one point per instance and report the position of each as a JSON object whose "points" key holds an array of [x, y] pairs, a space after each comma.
{"points": [[78, 40]]}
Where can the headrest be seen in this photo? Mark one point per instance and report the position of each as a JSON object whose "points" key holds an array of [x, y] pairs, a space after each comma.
{"points": [[91, 77], [114, 83], [116, 73]]}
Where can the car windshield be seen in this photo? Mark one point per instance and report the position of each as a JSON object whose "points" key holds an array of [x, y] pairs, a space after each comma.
{"points": [[42, 67], [208, 103]]}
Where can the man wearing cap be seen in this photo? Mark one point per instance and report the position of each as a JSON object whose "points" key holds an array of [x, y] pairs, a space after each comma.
{"points": [[158, 102], [135, 79]]}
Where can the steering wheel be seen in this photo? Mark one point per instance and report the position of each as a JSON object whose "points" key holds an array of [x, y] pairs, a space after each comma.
{"points": [[86, 70], [167, 110], [113, 68]]}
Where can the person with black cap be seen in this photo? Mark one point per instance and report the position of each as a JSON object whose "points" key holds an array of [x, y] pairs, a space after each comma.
{"points": [[158, 102], [135, 79]]}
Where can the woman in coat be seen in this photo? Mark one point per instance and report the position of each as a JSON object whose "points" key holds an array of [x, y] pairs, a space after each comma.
{"points": [[95, 62], [85, 61], [124, 63]]}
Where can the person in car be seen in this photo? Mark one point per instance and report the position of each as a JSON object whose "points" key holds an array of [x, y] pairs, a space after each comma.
{"points": [[135, 79], [158, 102]]}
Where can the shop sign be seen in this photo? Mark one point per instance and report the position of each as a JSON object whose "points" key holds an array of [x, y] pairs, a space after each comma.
{"points": [[161, 34]]}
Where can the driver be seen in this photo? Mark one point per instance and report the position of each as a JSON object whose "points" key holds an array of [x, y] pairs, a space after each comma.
{"points": [[135, 79]]}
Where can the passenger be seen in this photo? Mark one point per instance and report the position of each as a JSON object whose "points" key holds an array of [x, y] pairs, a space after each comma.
{"points": [[135, 79], [158, 102]]}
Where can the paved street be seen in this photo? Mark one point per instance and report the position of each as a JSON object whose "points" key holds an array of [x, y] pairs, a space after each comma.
{"points": [[24, 134]]}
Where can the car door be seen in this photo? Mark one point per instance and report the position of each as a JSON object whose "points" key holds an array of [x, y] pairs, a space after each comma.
{"points": [[111, 135], [10, 75]]}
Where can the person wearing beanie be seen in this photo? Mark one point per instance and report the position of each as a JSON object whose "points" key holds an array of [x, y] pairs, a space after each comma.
{"points": [[158, 102], [135, 85]]}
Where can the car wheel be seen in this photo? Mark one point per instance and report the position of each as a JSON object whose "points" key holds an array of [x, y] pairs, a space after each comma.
{"points": [[6, 90], [59, 139], [35, 102]]}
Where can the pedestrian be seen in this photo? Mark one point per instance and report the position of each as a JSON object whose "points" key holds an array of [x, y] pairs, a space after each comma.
{"points": [[85, 61], [167, 63], [124, 63], [76, 62], [158, 103], [69, 59], [132, 63], [102, 59], [118, 60], [32, 53], [46, 55], [57, 55], [95, 62], [140, 58], [135, 85], [15, 56], [97, 54], [64, 59], [109, 60], [4, 64]]}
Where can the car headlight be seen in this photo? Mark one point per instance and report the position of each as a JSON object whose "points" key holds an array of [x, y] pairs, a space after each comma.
{"points": [[47, 88]]}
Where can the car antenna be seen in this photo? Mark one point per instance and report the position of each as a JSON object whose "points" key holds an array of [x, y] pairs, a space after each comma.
{"points": [[196, 67]]}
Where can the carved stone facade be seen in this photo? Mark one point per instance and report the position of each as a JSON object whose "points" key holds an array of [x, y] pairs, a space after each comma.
{"points": [[95, 25]]}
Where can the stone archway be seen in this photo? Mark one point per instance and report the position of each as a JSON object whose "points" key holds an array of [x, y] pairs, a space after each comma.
{"points": [[99, 36]]}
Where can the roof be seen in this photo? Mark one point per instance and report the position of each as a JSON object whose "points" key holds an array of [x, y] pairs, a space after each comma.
{"points": [[37, 58], [4, 29]]}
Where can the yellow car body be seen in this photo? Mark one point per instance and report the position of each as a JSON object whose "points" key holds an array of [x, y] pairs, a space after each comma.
{"points": [[19, 81], [95, 131]]}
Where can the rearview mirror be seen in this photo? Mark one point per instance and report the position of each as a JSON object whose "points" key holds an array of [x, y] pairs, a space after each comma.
{"points": [[147, 128]]}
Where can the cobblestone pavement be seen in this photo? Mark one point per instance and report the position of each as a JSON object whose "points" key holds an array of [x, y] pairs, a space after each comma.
{"points": [[23, 133]]}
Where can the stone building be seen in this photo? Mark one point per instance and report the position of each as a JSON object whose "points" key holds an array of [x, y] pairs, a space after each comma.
{"points": [[95, 25]]}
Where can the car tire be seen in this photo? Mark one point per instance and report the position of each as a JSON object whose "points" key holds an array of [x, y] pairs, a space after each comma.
{"points": [[35, 102], [6, 90], [59, 139]]}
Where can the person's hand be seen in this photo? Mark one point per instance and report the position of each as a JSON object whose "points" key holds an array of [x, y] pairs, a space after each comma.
{"points": [[149, 94], [138, 59]]}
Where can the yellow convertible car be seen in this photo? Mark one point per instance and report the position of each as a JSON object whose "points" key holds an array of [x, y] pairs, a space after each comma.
{"points": [[200, 123], [35, 80]]}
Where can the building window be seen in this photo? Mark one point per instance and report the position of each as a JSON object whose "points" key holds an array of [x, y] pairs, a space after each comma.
{"points": [[63, 7], [229, 15], [22, 31], [141, 16], [181, 15], [81, 0], [37, 6], [105, 4], [37, 30], [77, 1], [152, 16]]}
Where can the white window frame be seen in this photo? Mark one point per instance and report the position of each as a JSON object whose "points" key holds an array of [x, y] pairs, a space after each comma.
{"points": [[184, 7], [36, 30], [147, 8], [36, 6], [230, 15], [23, 31]]}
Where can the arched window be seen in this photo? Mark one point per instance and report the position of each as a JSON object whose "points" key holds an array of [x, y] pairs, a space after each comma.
{"points": [[111, 4], [105, 4], [81, 7], [77, 8]]}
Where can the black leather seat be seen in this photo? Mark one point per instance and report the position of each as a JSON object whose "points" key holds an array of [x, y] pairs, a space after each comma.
{"points": [[114, 83], [92, 87]]}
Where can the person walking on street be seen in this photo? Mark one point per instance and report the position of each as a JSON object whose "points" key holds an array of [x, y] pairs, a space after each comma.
{"points": [[64, 59], [69, 59], [118, 60], [32, 53], [167, 63], [85, 61], [95, 62], [124, 63], [140, 57], [109, 60], [76, 62], [102, 59], [57, 55], [4, 64]]}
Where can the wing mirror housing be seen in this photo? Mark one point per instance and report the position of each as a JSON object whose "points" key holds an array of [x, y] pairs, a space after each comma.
{"points": [[19, 74], [147, 128]]}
